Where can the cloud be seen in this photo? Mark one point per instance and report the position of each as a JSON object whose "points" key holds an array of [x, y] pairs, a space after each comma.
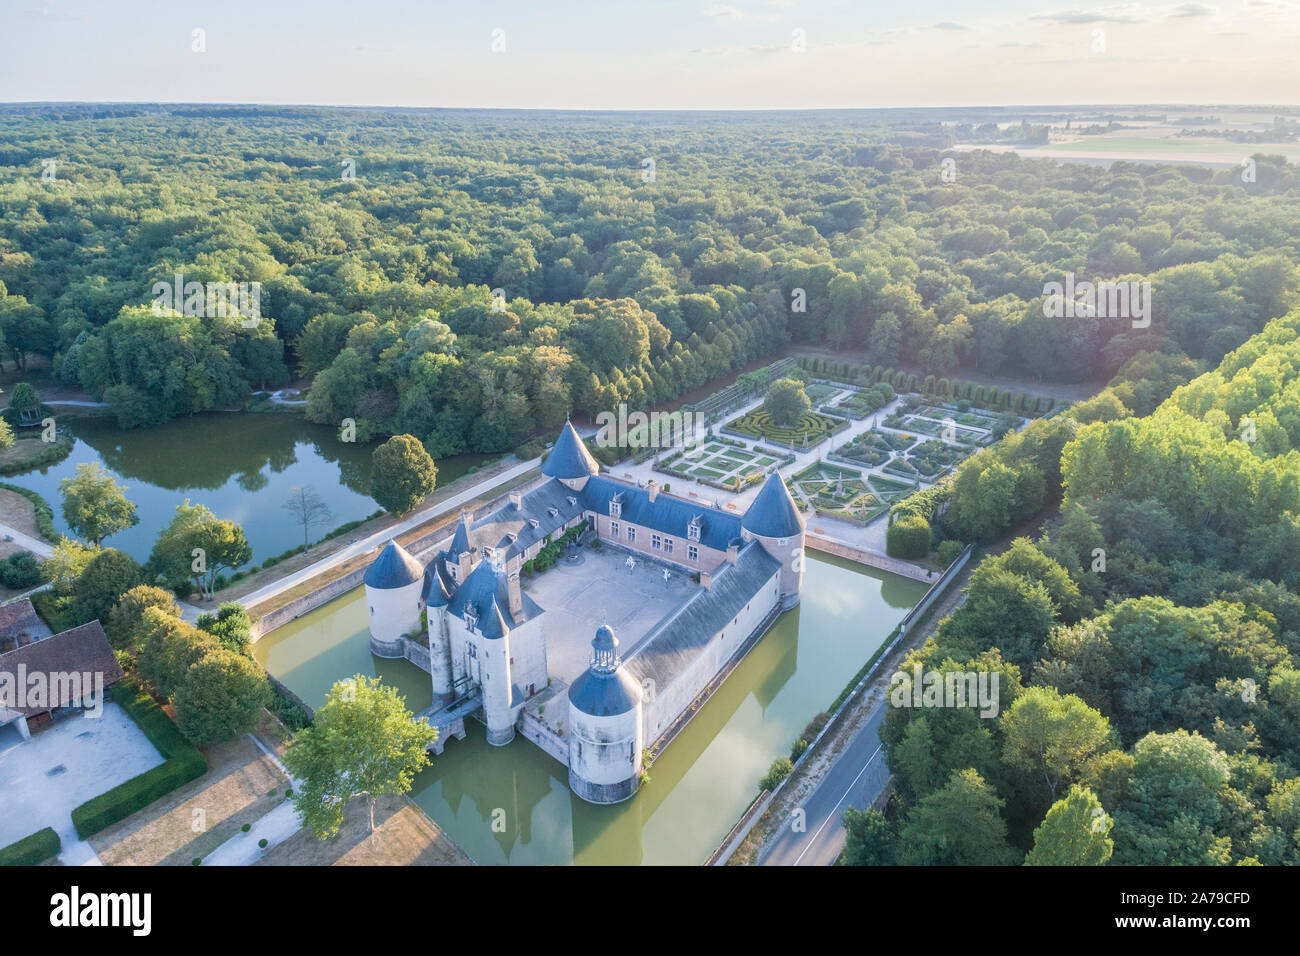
{"points": [[1077, 17], [948, 25], [724, 12], [1192, 10]]}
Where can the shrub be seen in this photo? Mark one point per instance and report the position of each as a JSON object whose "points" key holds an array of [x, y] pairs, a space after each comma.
{"points": [[908, 537], [246, 827], [31, 850], [262, 843], [947, 552], [781, 768], [20, 571]]}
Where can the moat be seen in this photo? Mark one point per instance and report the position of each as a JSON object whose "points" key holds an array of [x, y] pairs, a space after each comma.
{"points": [[513, 805]]}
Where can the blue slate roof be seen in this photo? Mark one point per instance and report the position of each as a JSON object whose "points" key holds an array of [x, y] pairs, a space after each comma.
{"points": [[460, 541], [509, 528], [394, 568], [773, 513], [677, 640], [485, 593], [439, 584], [569, 457], [604, 694], [667, 514]]}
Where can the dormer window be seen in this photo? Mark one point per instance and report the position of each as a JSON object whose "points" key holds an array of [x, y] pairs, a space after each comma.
{"points": [[554, 512], [573, 502], [533, 523], [616, 507], [471, 619], [693, 529], [511, 537]]}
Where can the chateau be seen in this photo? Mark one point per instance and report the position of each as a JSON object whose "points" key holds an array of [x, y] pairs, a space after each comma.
{"points": [[488, 639]]}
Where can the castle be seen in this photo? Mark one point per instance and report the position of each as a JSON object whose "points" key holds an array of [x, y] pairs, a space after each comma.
{"points": [[487, 639]]}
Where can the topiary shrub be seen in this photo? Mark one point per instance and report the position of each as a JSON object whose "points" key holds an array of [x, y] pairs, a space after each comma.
{"points": [[908, 537], [31, 850]]}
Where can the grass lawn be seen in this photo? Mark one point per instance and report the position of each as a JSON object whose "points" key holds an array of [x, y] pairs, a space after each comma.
{"points": [[237, 789], [403, 836]]}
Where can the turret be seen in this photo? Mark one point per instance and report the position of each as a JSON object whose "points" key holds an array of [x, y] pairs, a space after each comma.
{"points": [[569, 460], [605, 726], [775, 521], [396, 586]]}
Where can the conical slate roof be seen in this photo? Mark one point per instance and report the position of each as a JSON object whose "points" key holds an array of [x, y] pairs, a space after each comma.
{"points": [[569, 457], [605, 689], [394, 568], [460, 542], [773, 513]]}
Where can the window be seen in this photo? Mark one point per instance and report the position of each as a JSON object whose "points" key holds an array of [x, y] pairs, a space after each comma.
{"points": [[693, 529], [631, 534], [656, 542], [613, 529], [692, 553], [668, 545], [616, 506]]}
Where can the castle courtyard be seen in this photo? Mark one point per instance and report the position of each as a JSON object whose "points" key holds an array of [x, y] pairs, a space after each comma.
{"points": [[602, 590]]}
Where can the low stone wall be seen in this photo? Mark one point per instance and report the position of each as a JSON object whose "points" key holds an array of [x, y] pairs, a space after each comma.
{"points": [[436, 534], [872, 559], [308, 602], [546, 738]]}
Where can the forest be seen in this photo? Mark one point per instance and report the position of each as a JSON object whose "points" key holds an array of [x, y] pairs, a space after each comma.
{"points": [[1146, 641], [471, 282]]}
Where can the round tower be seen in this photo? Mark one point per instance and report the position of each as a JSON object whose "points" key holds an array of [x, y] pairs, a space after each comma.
{"points": [[396, 585], [605, 734], [435, 601], [775, 521]]}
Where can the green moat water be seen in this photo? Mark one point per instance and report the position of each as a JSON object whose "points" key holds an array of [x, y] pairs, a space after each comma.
{"points": [[698, 787], [242, 466]]}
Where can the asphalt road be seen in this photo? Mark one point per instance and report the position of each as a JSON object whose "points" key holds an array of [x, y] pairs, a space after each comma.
{"points": [[856, 779]]}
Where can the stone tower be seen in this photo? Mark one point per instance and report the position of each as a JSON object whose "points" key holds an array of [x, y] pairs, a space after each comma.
{"points": [[775, 521], [605, 727]]}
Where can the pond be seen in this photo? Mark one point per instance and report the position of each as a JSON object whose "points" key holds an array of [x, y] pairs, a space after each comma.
{"points": [[512, 805], [242, 466]]}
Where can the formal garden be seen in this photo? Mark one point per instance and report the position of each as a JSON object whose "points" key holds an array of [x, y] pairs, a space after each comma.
{"points": [[723, 463], [804, 432], [844, 493]]}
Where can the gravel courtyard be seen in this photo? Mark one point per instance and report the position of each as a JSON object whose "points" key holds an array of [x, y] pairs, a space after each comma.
{"points": [[43, 779]]}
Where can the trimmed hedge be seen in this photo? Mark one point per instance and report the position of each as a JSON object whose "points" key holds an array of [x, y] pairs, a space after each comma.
{"points": [[184, 762], [31, 850], [908, 537]]}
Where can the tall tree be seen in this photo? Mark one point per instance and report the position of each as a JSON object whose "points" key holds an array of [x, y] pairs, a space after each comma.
{"points": [[307, 507], [94, 505], [403, 474], [362, 742]]}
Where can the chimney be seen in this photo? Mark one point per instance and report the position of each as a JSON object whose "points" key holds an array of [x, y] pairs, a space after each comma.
{"points": [[516, 597], [733, 550], [517, 499], [652, 487]]}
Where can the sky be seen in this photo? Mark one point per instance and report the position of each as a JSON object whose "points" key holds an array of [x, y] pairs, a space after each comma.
{"points": [[650, 54]]}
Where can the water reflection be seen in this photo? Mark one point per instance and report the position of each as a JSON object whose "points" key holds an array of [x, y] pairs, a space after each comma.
{"points": [[512, 805]]}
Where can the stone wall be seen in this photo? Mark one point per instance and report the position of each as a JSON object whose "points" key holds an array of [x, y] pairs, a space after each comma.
{"points": [[872, 559], [434, 536], [546, 738]]}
